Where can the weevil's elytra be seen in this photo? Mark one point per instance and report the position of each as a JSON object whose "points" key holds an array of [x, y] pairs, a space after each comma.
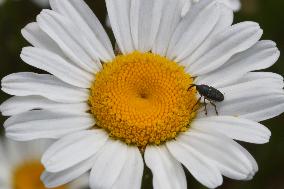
{"points": [[208, 93]]}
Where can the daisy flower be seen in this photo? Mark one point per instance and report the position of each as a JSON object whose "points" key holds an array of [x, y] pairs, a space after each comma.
{"points": [[21, 167], [109, 110]]}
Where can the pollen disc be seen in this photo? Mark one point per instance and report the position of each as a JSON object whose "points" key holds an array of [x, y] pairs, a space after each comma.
{"points": [[142, 98]]}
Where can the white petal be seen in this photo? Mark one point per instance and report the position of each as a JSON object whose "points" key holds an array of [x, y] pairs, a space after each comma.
{"points": [[260, 56], [225, 20], [197, 164], [132, 172], [193, 29], [251, 160], [84, 144], [275, 79], [38, 38], [235, 128], [108, 165], [17, 105], [169, 21], [27, 83], [119, 13], [186, 7], [258, 79], [35, 36], [57, 66], [231, 41], [145, 16], [52, 180], [229, 159], [79, 12], [70, 39], [167, 172], [81, 182], [44, 124], [258, 99]]}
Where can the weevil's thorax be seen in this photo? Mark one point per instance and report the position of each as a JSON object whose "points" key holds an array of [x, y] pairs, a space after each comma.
{"points": [[210, 93], [203, 90]]}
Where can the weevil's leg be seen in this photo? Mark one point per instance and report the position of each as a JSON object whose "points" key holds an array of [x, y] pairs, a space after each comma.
{"points": [[198, 101], [217, 113], [205, 106]]}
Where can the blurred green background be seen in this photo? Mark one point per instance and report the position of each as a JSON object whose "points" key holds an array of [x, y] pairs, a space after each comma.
{"points": [[15, 14]]}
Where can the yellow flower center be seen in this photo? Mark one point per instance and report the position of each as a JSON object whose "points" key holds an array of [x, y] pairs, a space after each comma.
{"points": [[142, 98], [27, 176]]}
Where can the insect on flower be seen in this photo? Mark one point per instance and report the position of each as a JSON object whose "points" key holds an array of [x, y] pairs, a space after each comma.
{"points": [[208, 93]]}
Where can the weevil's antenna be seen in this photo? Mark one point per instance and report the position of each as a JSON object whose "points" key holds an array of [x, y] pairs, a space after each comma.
{"points": [[192, 85], [193, 78]]}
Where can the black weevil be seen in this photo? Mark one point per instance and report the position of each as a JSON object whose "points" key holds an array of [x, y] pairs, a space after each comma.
{"points": [[208, 93]]}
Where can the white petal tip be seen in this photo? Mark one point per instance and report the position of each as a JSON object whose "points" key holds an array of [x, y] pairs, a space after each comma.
{"points": [[49, 166], [46, 181]]}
